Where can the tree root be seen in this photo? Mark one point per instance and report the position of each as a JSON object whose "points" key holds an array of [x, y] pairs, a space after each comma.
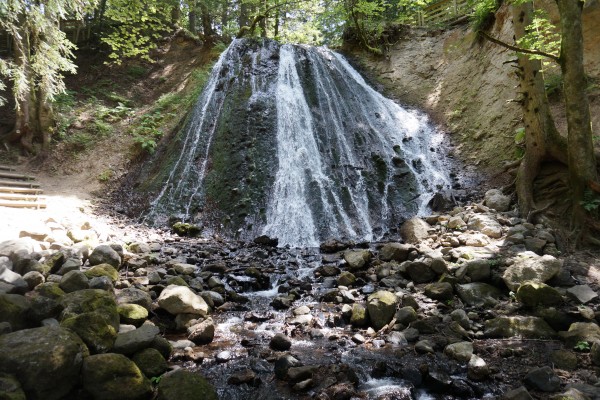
{"points": [[534, 213]]}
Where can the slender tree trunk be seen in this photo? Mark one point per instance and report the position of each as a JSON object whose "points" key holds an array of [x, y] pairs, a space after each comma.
{"points": [[206, 22], [582, 162], [23, 131], [192, 16], [244, 19], [263, 21], [224, 16]]}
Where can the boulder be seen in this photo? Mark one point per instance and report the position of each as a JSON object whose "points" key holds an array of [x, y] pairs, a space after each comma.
{"points": [[460, 351], [581, 332], [139, 248], [202, 333], [105, 254], [185, 385], [382, 307], [138, 339], [357, 259], [132, 295], [533, 294], [91, 300], [582, 293], [73, 281], [537, 269], [543, 379], [94, 328], [103, 270], [395, 252], [14, 279], [14, 309], [280, 342], [46, 360], [114, 377], [359, 316], [150, 362], [182, 300], [526, 327], [405, 315], [133, 314], [477, 369], [414, 230], [27, 245], [494, 198], [439, 291], [485, 224], [346, 279], [478, 270], [478, 294], [419, 272]]}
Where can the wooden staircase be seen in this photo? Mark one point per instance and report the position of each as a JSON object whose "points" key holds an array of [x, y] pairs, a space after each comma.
{"points": [[19, 191]]}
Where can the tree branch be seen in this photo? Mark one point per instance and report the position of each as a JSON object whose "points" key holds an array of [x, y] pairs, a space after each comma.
{"points": [[519, 49], [250, 29]]}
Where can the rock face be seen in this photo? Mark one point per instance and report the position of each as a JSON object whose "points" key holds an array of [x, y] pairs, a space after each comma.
{"points": [[46, 360], [182, 300], [114, 377], [537, 269], [181, 384]]}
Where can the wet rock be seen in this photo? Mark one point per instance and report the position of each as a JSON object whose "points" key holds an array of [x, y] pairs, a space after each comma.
{"points": [[478, 294], [485, 224], [477, 369], [527, 327], [414, 230], [381, 306], [332, 246], [302, 310], [535, 244], [582, 293], [280, 342], [460, 316], [73, 281], [406, 315], [424, 346], [298, 374], [150, 362], [46, 360], [542, 379], [419, 272], [283, 364], [533, 294], [246, 376], [114, 377], [180, 299], [105, 254], [478, 270], [495, 199], [223, 356], [358, 338], [102, 283], [359, 315], [133, 314], [519, 393], [439, 291], [328, 270], [184, 385], [346, 279], [265, 240], [131, 342], [357, 259], [581, 332], [14, 309], [460, 351], [103, 270], [202, 333], [395, 252], [537, 269], [163, 346]]}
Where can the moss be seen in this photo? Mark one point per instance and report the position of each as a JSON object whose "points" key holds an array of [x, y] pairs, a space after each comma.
{"points": [[94, 329], [103, 270], [182, 384], [186, 229]]}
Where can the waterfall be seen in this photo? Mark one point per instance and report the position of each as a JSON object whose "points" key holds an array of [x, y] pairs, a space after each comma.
{"points": [[291, 142]]}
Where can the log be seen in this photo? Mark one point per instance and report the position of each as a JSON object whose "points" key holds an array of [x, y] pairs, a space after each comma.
{"points": [[6, 168], [21, 204], [8, 189], [4, 182], [21, 196], [10, 175]]}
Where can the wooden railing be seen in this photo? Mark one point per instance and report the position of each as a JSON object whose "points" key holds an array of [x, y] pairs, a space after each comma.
{"points": [[77, 32], [442, 12]]}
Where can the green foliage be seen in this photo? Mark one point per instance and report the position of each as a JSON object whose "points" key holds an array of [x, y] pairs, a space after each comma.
{"points": [[582, 346], [483, 13], [519, 135], [106, 175], [155, 380], [591, 201], [137, 71], [541, 35]]}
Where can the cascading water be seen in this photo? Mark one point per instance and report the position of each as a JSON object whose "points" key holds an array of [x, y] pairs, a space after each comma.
{"points": [[289, 141]]}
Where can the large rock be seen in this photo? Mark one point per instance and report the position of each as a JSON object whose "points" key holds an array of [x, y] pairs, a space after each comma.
{"points": [[485, 224], [526, 327], [182, 300], [103, 269], [94, 328], [203, 332], [185, 385], [14, 279], [382, 307], [73, 281], [137, 296], [150, 362], [439, 291], [91, 300], [105, 254], [414, 230], [138, 339], [133, 314], [27, 245], [114, 377], [460, 351], [419, 272], [395, 252], [533, 294], [14, 309], [543, 379], [537, 269], [46, 360], [479, 294], [357, 259], [581, 332], [495, 199]]}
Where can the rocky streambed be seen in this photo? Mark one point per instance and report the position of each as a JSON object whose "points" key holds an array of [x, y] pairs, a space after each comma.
{"points": [[475, 303]]}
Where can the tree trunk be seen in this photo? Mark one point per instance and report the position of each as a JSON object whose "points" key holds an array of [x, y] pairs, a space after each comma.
{"points": [[224, 16], [263, 21], [206, 22], [192, 17], [244, 19], [23, 131], [582, 162]]}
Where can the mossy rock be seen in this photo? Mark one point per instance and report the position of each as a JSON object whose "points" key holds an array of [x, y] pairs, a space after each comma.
{"points": [[185, 229], [88, 301], [176, 280], [103, 270], [51, 290], [534, 294], [150, 362], [10, 388], [360, 316], [94, 329], [114, 377], [133, 314], [185, 385], [382, 307], [13, 309]]}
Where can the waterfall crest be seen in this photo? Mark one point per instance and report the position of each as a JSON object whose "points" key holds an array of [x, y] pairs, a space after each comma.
{"points": [[291, 142]]}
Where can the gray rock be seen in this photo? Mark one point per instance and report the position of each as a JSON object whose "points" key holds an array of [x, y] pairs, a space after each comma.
{"points": [[526, 327], [73, 281], [478, 294], [150, 362], [519, 393], [33, 278], [105, 254], [357, 259], [185, 385], [419, 272], [535, 244], [46, 360], [14, 309], [456, 222], [460, 351], [184, 269], [114, 377], [346, 278], [485, 224], [382, 307], [137, 296], [359, 316], [542, 379], [439, 291], [202, 333], [424, 346], [280, 342], [223, 356], [534, 294], [494, 198], [139, 248], [102, 283], [405, 315], [582, 293], [12, 278], [581, 332], [9, 247], [395, 252], [70, 264], [478, 270], [595, 353], [180, 299], [283, 364], [414, 230], [10, 388], [131, 342], [477, 369], [537, 269], [460, 316], [5, 328]]}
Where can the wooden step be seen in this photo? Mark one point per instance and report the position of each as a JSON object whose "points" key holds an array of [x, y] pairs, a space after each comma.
{"points": [[4, 182], [10, 175], [21, 196], [8, 189], [21, 204], [7, 168]]}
